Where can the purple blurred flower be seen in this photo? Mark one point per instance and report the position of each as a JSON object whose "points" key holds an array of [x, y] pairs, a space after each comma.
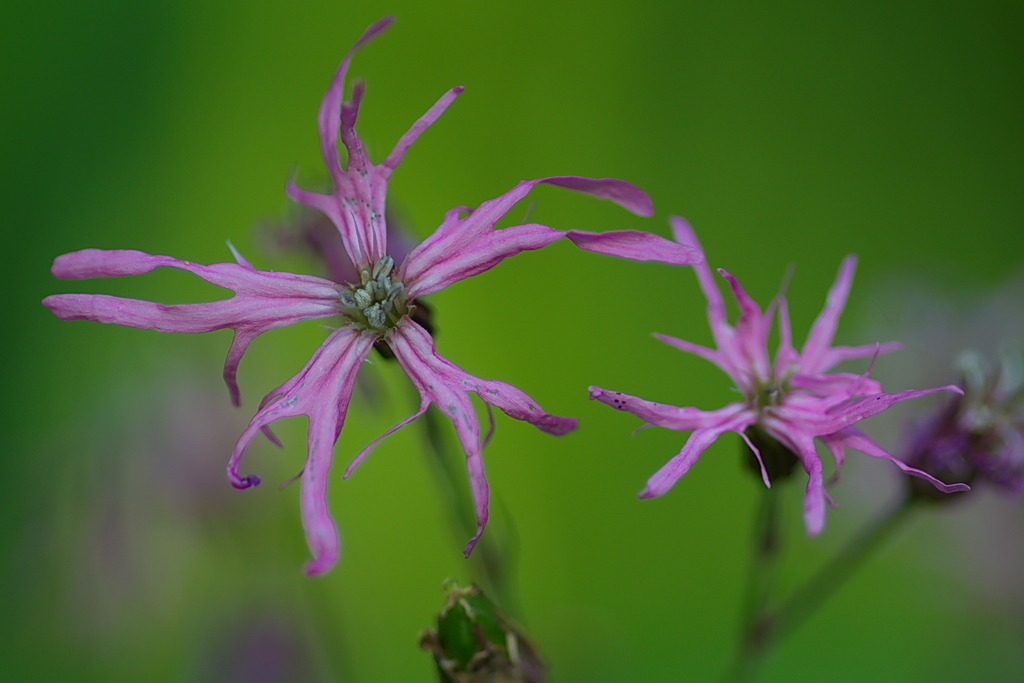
{"points": [[377, 308], [793, 399], [979, 434]]}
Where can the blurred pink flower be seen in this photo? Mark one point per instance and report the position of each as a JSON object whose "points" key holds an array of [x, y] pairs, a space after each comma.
{"points": [[793, 399], [377, 308], [979, 434]]}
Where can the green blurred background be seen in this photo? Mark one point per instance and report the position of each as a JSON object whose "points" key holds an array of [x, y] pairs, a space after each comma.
{"points": [[786, 133]]}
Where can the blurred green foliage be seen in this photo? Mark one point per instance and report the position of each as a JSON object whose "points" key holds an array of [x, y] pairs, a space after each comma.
{"points": [[786, 133]]}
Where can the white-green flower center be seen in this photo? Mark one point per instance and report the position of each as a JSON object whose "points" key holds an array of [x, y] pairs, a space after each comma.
{"points": [[378, 302]]}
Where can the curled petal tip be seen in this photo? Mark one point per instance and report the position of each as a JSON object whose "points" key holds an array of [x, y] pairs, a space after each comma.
{"points": [[242, 483], [317, 567], [468, 550], [458, 89]]}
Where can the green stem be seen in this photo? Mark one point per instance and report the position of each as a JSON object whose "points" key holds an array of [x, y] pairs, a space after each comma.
{"points": [[806, 600], [765, 627], [750, 650]]}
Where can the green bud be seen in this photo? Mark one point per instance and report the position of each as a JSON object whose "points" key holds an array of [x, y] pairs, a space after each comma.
{"points": [[476, 643]]}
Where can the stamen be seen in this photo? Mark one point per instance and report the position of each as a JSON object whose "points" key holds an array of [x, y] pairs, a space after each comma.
{"points": [[363, 298], [375, 316], [378, 302], [383, 267]]}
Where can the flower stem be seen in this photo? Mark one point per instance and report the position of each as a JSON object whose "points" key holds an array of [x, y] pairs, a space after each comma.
{"points": [[753, 645], [806, 600], [763, 626]]}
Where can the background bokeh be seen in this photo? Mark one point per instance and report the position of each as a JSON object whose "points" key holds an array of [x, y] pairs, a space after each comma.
{"points": [[792, 133]]}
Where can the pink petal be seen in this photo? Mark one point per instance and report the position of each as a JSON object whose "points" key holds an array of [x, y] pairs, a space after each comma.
{"points": [[405, 142], [840, 385], [482, 254], [838, 354], [638, 246], [669, 417], [464, 244], [786, 356], [263, 300], [812, 358], [446, 385], [814, 494], [846, 414], [699, 440], [329, 115], [704, 352], [852, 437], [751, 330], [724, 335], [321, 391]]}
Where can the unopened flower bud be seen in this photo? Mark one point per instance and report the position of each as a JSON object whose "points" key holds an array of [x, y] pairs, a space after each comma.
{"points": [[475, 643]]}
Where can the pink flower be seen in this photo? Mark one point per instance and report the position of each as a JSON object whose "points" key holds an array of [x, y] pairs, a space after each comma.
{"points": [[377, 308], [793, 399]]}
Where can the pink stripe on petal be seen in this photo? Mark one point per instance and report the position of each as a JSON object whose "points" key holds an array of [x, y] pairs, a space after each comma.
{"points": [[482, 254]]}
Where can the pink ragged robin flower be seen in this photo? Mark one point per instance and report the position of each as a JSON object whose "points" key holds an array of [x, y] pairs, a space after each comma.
{"points": [[793, 398], [376, 308]]}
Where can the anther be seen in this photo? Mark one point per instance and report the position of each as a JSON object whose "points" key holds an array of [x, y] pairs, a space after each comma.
{"points": [[375, 315], [362, 298], [383, 267]]}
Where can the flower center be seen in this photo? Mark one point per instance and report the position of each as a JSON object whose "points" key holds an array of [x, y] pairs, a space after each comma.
{"points": [[378, 302]]}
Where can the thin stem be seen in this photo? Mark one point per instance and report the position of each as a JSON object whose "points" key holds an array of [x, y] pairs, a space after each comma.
{"points": [[765, 627], [764, 563], [806, 600]]}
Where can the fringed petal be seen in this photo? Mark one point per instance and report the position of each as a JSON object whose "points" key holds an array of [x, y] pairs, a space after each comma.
{"points": [[321, 391], [464, 244], [852, 437], [263, 300], [669, 417]]}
